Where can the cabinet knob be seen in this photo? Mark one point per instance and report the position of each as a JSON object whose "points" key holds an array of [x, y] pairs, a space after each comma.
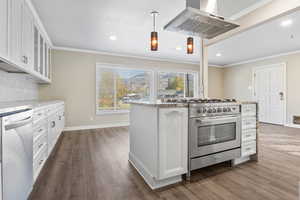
{"points": [[53, 124]]}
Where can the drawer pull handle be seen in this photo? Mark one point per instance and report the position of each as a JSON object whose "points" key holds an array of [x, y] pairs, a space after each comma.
{"points": [[248, 149], [40, 146], [39, 114], [41, 161], [53, 124], [40, 130]]}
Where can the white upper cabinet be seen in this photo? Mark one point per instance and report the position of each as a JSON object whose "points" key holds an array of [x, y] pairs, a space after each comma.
{"points": [[22, 43], [27, 37], [15, 32], [4, 29], [41, 54]]}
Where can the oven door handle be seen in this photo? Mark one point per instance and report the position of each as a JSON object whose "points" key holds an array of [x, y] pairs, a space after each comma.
{"points": [[211, 119]]}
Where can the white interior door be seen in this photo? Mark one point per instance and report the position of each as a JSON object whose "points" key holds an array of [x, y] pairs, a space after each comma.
{"points": [[269, 83]]}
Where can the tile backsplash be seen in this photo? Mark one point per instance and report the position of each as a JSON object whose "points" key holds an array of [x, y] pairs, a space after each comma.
{"points": [[17, 87]]}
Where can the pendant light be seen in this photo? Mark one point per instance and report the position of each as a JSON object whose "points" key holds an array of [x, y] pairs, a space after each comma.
{"points": [[154, 34], [190, 45]]}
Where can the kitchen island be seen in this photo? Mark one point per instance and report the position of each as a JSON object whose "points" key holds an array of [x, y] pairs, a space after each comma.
{"points": [[168, 140], [159, 141]]}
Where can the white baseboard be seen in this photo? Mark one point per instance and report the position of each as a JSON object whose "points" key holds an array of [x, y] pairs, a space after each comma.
{"points": [[109, 125], [150, 179], [293, 125]]}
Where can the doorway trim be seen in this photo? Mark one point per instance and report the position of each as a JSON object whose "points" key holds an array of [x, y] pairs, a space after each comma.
{"points": [[283, 64]]}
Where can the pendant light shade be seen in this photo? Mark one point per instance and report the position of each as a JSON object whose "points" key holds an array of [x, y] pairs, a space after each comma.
{"points": [[154, 41], [154, 34], [190, 45]]}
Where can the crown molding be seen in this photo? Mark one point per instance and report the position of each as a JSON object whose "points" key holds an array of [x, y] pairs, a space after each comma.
{"points": [[262, 58], [249, 9], [61, 48]]}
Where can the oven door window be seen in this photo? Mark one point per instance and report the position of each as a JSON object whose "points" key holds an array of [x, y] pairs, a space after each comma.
{"points": [[216, 133]]}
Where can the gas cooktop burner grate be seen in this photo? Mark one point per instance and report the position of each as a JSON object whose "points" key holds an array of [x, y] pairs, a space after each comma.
{"points": [[199, 100]]}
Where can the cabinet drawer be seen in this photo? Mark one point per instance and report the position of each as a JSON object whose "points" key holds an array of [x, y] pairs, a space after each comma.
{"points": [[249, 110], [39, 143], [40, 128], [248, 148], [205, 161], [38, 115], [248, 123], [39, 161], [248, 135]]}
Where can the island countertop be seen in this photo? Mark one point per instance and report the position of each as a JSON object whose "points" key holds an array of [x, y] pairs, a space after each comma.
{"points": [[159, 104], [170, 104]]}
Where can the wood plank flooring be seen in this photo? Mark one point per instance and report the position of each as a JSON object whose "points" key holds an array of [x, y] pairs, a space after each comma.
{"points": [[93, 165]]}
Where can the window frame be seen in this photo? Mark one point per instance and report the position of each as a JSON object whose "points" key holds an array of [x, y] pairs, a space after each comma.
{"points": [[195, 73], [154, 83], [116, 67]]}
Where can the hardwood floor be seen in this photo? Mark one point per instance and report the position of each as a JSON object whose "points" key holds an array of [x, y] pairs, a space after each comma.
{"points": [[93, 165]]}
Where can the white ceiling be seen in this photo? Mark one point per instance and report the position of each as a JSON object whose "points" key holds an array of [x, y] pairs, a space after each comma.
{"points": [[266, 40], [88, 25]]}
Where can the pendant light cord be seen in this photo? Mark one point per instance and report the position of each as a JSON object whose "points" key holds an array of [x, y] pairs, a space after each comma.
{"points": [[154, 13]]}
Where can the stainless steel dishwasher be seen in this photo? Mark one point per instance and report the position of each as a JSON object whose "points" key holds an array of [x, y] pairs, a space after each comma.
{"points": [[16, 154]]}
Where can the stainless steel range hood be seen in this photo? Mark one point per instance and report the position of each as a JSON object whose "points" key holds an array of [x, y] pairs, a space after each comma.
{"points": [[200, 19]]}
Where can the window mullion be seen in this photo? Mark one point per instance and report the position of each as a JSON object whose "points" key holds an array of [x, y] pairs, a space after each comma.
{"points": [[115, 90], [184, 85]]}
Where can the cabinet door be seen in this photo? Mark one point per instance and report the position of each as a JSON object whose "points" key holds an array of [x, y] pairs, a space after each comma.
{"points": [[15, 40], [4, 29], [36, 49], [27, 37], [49, 63], [41, 55], [173, 142]]}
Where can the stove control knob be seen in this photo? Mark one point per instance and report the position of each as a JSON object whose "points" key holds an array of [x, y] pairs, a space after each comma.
{"points": [[228, 109], [199, 111], [224, 110], [214, 110], [209, 110], [204, 110], [219, 110]]}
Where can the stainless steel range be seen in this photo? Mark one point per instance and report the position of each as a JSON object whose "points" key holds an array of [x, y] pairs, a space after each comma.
{"points": [[214, 132]]}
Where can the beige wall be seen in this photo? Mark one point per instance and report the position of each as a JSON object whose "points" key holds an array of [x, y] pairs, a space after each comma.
{"points": [[215, 82], [238, 81], [73, 80]]}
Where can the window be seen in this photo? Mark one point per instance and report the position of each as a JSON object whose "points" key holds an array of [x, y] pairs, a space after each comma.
{"points": [[176, 85], [116, 86]]}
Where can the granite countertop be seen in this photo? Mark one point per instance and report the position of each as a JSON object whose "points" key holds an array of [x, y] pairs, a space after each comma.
{"points": [[6, 107], [159, 104]]}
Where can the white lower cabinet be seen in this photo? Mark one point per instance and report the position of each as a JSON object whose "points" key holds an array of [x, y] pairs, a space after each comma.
{"points": [[47, 127], [249, 132], [158, 138], [173, 142]]}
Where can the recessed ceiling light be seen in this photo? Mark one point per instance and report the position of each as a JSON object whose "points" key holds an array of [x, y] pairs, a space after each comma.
{"points": [[113, 37], [286, 23], [218, 54], [178, 48]]}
